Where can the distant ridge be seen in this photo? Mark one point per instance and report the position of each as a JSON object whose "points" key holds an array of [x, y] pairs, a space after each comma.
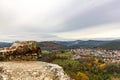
{"points": [[51, 45], [5, 44], [78, 43], [113, 45]]}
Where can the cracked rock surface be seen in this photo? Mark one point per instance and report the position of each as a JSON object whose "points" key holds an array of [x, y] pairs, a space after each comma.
{"points": [[31, 70]]}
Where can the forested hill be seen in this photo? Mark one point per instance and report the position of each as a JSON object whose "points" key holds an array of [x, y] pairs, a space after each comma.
{"points": [[50, 45], [111, 45]]}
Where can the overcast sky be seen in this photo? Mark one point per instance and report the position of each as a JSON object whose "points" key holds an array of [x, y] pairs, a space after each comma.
{"points": [[44, 20]]}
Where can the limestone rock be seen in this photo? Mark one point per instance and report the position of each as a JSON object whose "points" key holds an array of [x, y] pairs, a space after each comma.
{"points": [[31, 70], [24, 50]]}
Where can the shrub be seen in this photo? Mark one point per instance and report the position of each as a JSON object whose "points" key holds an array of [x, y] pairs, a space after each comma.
{"points": [[101, 66], [66, 55], [47, 57], [113, 68], [81, 76], [67, 64]]}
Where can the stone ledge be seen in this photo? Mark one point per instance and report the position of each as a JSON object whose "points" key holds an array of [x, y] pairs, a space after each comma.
{"points": [[31, 70]]}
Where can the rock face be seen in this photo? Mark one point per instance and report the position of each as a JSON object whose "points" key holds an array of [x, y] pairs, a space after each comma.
{"points": [[24, 50], [31, 70]]}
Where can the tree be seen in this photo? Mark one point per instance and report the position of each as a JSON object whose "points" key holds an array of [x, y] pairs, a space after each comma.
{"points": [[81, 76]]}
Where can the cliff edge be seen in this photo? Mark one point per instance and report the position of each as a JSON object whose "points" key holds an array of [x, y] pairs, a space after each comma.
{"points": [[31, 70]]}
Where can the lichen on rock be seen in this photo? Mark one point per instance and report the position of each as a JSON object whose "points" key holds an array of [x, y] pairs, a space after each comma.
{"points": [[23, 50]]}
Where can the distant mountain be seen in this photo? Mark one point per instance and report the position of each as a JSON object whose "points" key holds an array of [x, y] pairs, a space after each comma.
{"points": [[111, 45], [79, 43], [5, 44], [50, 45], [70, 44]]}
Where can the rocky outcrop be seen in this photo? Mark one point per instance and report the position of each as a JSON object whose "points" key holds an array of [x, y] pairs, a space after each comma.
{"points": [[24, 50], [31, 70], [17, 66]]}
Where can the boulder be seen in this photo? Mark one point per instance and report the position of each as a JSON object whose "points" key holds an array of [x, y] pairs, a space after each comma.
{"points": [[24, 50]]}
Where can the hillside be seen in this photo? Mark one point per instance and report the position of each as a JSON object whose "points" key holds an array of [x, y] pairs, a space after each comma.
{"points": [[50, 45], [111, 45], [80, 43]]}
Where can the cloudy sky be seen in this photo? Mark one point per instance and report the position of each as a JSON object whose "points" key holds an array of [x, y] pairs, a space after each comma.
{"points": [[44, 20]]}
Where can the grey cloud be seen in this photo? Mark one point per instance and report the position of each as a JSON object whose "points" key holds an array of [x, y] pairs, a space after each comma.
{"points": [[103, 14], [28, 36], [65, 18], [7, 17]]}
